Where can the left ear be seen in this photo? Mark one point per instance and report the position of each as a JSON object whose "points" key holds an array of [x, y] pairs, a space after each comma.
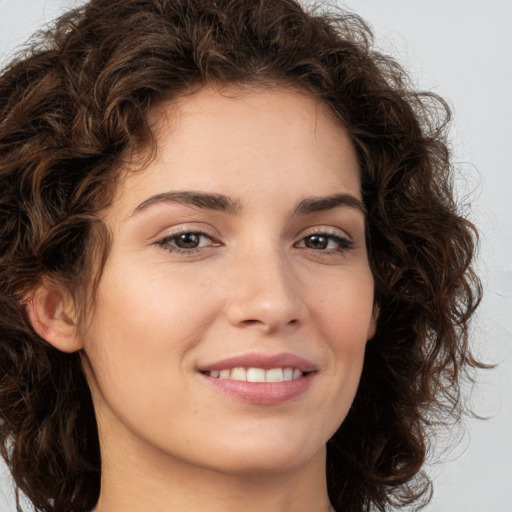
{"points": [[52, 314], [373, 322]]}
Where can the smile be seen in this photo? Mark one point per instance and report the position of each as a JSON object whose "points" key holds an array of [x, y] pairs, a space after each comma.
{"points": [[261, 379], [257, 374]]}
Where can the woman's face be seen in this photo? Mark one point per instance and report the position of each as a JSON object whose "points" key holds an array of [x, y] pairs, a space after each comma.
{"points": [[233, 312]]}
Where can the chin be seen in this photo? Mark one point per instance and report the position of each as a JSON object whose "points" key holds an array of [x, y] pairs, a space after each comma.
{"points": [[270, 453], [277, 463]]}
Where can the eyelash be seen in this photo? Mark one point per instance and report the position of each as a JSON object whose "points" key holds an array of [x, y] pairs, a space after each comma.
{"points": [[343, 244], [165, 242]]}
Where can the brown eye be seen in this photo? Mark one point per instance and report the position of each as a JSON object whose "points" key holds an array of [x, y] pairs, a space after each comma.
{"points": [[316, 242], [325, 242], [188, 240]]}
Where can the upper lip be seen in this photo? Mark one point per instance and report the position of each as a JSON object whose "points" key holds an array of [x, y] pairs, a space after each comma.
{"points": [[265, 361]]}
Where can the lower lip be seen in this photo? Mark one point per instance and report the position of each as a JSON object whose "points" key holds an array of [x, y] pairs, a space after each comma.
{"points": [[264, 393]]}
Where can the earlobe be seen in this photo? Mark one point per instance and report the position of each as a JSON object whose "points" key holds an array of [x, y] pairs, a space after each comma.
{"points": [[373, 322], [51, 314]]}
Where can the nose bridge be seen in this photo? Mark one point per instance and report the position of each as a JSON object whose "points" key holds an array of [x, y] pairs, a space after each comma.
{"points": [[264, 290]]}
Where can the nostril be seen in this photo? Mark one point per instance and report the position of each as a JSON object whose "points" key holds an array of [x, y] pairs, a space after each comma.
{"points": [[267, 326], [252, 322]]}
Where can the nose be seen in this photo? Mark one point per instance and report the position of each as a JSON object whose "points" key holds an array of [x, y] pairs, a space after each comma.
{"points": [[264, 294]]}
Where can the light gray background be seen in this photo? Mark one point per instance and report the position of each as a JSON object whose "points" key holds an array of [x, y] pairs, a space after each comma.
{"points": [[461, 49]]}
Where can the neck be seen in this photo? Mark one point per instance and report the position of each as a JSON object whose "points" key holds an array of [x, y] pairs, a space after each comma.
{"points": [[145, 484]]}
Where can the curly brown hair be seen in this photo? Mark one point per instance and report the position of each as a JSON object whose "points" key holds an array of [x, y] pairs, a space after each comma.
{"points": [[76, 103]]}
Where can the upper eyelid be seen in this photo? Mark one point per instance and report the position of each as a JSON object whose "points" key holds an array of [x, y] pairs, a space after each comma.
{"points": [[165, 243], [341, 239], [345, 241], [175, 235], [324, 230], [186, 232], [173, 231], [211, 231]]}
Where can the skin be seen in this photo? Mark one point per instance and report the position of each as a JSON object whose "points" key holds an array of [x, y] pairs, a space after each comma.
{"points": [[258, 282]]}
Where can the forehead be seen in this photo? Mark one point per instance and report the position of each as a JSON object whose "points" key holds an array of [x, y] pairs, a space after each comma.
{"points": [[213, 110], [243, 140]]}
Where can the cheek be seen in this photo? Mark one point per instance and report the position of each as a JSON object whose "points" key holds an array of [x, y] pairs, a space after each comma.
{"points": [[137, 344], [344, 314], [146, 324], [344, 309], [137, 300]]}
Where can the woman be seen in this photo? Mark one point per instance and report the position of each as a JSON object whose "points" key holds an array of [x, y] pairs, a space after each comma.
{"points": [[232, 272]]}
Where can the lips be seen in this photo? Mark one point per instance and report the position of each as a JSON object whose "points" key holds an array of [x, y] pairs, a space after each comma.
{"points": [[261, 379]]}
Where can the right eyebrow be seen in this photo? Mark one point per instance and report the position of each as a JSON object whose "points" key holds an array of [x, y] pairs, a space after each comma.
{"points": [[218, 202]]}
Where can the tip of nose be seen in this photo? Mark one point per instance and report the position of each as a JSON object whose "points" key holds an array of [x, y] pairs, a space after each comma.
{"points": [[268, 312]]}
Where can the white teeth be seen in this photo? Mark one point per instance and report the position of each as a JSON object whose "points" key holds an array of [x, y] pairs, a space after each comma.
{"points": [[255, 375], [258, 374], [239, 374], [274, 375]]}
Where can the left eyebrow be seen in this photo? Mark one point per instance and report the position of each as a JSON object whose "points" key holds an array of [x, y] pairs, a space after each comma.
{"points": [[319, 204]]}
